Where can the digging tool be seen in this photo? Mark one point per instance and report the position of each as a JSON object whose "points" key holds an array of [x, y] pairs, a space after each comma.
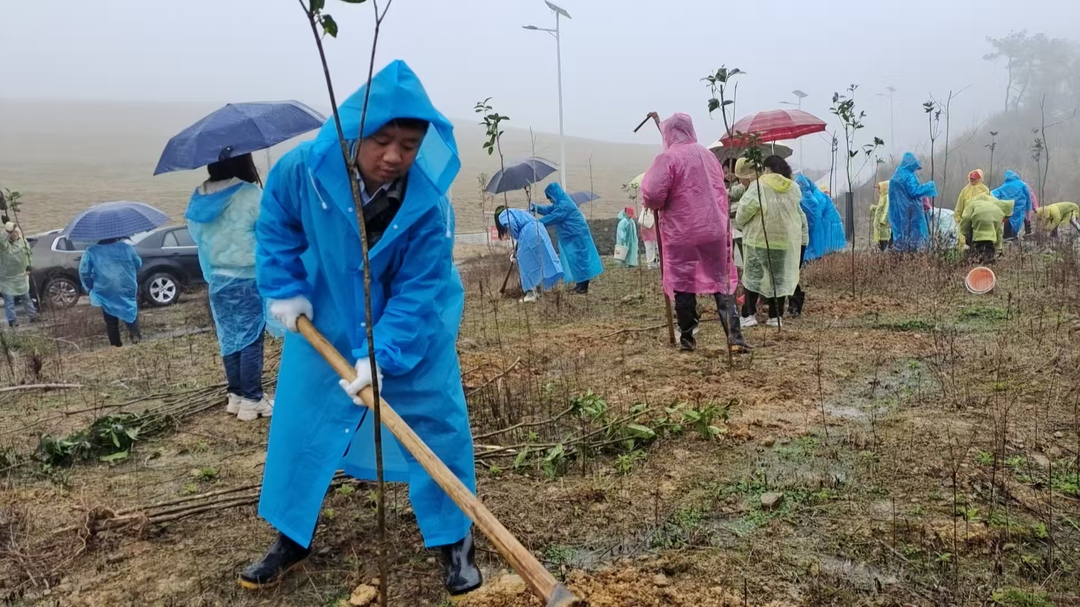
{"points": [[542, 583]]}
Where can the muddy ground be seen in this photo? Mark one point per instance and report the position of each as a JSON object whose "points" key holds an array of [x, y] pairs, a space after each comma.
{"points": [[910, 444]]}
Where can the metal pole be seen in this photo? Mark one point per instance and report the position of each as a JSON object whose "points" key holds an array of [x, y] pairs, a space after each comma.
{"points": [[562, 134], [802, 149], [892, 123]]}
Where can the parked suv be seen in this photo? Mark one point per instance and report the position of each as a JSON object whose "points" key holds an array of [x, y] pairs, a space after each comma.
{"points": [[170, 263]]}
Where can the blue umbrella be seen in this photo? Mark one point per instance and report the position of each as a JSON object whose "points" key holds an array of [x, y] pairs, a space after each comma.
{"points": [[236, 129], [581, 198], [114, 220], [521, 175]]}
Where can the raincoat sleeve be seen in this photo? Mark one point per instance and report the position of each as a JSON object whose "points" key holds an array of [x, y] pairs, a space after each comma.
{"points": [[86, 271], [543, 209], [406, 327], [805, 229], [280, 234], [749, 206], [919, 190], [135, 259], [656, 186]]}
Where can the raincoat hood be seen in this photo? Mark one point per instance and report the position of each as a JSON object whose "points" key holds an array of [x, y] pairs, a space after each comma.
{"points": [[743, 170], [910, 163], [396, 92], [883, 188], [205, 208], [806, 185], [554, 192], [777, 182], [978, 175], [1011, 176], [678, 130]]}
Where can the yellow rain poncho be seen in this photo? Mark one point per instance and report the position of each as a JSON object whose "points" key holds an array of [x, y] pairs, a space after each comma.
{"points": [[983, 218], [880, 214], [1053, 215], [975, 187], [777, 200], [14, 263]]}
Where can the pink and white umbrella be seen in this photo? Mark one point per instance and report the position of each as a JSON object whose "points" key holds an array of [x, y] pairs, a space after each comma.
{"points": [[775, 125]]}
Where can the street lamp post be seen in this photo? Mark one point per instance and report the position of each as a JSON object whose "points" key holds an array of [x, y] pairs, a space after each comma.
{"points": [[800, 95], [892, 121], [559, 12]]}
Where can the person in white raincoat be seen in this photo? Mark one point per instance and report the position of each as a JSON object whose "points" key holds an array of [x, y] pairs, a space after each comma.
{"points": [[15, 273]]}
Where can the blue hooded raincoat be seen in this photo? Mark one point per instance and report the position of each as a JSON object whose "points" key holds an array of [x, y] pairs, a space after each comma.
{"points": [[909, 226], [1016, 190], [309, 244], [823, 221], [536, 258], [221, 220], [109, 273], [580, 260]]}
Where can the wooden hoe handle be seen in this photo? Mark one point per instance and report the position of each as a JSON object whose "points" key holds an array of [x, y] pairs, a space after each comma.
{"points": [[538, 578]]}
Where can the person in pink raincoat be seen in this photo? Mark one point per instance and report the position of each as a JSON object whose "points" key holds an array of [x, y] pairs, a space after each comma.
{"points": [[685, 186]]}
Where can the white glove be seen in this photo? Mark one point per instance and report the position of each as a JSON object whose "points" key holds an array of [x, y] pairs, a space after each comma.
{"points": [[363, 380], [288, 311]]}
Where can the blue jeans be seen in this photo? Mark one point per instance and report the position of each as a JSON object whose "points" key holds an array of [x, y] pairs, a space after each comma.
{"points": [[9, 306], [243, 371]]}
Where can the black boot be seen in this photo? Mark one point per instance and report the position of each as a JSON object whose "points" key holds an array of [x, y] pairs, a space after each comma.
{"points": [[687, 342], [459, 565], [582, 288], [729, 319], [284, 556]]}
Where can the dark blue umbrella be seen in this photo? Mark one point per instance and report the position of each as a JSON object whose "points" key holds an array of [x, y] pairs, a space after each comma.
{"points": [[114, 220], [581, 198], [236, 129], [521, 175]]}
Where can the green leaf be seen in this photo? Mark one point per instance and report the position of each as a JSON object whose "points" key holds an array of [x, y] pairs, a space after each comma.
{"points": [[714, 104], [329, 25], [354, 1], [317, 5], [115, 457], [641, 431], [519, 461], [728, 102]]}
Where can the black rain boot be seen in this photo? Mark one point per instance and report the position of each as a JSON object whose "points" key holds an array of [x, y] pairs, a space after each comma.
{"points": [[687, 342], [729, 319], [283, 556], [459, 566]]}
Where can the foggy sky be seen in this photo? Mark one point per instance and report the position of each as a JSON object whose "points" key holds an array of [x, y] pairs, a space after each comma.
{"points": [[621, 58]]}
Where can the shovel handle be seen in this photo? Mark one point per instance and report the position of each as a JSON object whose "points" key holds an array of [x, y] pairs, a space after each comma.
{"points": [[538, 578]]}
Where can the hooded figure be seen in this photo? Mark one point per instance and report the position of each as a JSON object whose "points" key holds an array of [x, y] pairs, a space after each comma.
{"points": [[626, 239], [109, 273], [773, 225], [685, 185], [823, 221], [221, 219], [975, 187], [880, 216], [581, 262], [308, 262], [1054, 215], [981, 224], [15, 273], [1016, 190], [906, 216], [538, 264]]}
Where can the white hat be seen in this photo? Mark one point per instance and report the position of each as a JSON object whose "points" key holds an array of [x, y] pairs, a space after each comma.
{"points": [[9, 226]]}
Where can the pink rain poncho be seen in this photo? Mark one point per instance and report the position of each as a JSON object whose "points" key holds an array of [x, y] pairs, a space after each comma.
{"points": [[686, 185]]}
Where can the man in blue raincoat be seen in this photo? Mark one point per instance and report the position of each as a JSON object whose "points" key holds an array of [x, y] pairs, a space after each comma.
{"points": [[309, 263], [581, 262], [1019, 192], [909, 226], [109, 273]]}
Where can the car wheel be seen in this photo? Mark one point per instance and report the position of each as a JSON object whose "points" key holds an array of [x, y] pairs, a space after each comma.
{"points": [[61, 292], [161, 289]]}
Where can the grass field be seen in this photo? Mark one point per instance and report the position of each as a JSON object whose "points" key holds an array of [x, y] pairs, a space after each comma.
{"points": [[905, 444]]}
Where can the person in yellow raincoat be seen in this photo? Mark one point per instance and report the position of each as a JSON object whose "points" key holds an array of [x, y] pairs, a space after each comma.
{"points": [[975, 187], [879, 216], [982, 226], [1053, 216]]}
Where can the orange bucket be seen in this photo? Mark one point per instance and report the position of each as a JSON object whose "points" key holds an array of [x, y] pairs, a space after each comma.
{"points": [[980, 281]]}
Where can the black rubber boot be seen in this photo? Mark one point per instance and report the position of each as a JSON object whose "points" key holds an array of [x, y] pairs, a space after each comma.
{"points": [[582, 288], [729, 318], [687, 342], [284, 556], [459, 566]]}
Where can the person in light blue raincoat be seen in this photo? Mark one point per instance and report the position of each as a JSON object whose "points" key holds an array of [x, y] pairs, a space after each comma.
{"points": [[626, 239], [221, 219], [581, 262], [109, 273], [826, 228], [1019, 192], [538, 264], [906, 215], [308, 262]]}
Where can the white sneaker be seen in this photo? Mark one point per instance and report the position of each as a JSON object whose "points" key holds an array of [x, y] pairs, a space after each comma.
{"points": [[234, 404], [774, 322], [251, 410], [748, 321], [530, 297]]}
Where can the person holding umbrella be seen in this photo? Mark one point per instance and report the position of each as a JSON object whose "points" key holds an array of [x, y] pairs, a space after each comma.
{"points": [[15, 273], [581, 262], [221, 218], [109, 268]]}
